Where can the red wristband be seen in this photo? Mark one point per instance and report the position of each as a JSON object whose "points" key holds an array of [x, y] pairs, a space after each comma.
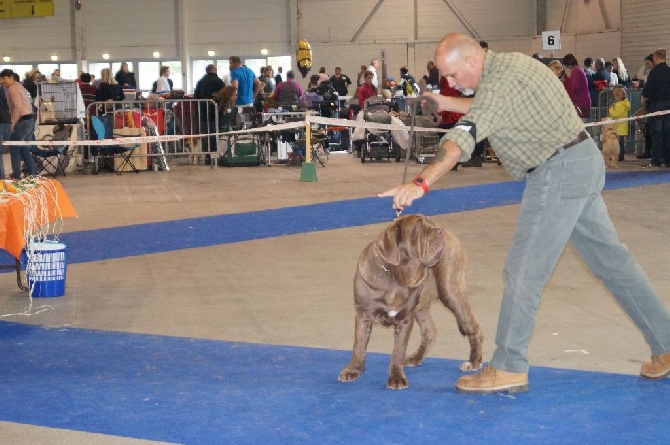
{"points": [[421, 183]]}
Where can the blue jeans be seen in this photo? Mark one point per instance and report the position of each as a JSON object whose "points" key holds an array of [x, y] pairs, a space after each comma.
{"points": [[562, 203], [23, 131], [5, 133]]}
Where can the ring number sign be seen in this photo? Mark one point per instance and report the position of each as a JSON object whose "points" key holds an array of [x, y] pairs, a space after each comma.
{"points": [[551, 40]]}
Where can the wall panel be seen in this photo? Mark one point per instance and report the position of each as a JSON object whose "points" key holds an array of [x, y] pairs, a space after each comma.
{"points": [[645, 27], [129, 30], [407, 30]]}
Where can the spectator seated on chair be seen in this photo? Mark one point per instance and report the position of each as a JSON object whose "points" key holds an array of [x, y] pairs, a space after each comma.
{"points": [[103, 125], [287, 94]]}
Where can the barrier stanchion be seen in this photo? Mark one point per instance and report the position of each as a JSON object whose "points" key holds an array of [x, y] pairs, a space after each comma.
{"points": [[308, 168]]}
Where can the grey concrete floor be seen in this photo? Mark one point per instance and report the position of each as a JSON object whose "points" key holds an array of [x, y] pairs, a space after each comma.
{"points": [[297, 290]]}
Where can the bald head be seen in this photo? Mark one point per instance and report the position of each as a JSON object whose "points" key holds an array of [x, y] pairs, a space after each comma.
{"points": [[458, 46], [461, 60]]}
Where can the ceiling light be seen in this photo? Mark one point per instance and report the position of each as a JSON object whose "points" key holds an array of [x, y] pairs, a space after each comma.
{"points": [[156, 54], [211, 53], [54, 57], [105, 56], [6, 59], [264, 52]]}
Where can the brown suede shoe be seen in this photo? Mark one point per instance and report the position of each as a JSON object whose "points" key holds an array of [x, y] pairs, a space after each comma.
{"points": [[657, 368], [490, 380]]}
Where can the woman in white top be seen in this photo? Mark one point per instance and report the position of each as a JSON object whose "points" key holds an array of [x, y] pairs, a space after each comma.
{"points": [[163, 86]]}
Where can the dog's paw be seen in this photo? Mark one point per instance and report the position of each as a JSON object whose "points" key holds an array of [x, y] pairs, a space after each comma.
{"points": [[468, 366], [414, 361], [397, 382], [348, 375]]}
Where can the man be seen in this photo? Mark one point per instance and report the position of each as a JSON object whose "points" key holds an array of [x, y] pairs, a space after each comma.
{"points": [[588, 67], [247, 84], [278, 78], [125, 78], [656, 97], [288, 93], [209, 84], [599, 82], [374, 64], [407, 83], [22, 123], [522, 107]]}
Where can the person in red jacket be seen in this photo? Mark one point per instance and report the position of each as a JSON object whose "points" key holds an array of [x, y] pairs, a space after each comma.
{"points": [[366, 90]]}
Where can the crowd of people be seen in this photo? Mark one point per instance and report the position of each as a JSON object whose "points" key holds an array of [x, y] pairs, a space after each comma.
{"points": [[586, 83], [583, 84]]}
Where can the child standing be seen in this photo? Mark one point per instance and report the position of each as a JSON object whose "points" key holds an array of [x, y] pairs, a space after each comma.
{"points": [[619, 110]]}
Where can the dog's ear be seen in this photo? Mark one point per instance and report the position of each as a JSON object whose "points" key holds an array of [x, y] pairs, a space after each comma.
{"points": [[433, 247], [387, 245]]}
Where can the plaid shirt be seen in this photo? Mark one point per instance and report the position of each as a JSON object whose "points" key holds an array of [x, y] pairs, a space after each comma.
{"points": [[524, 111]]}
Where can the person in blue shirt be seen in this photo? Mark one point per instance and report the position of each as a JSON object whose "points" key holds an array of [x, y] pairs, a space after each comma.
{"points": [[247, 84]]}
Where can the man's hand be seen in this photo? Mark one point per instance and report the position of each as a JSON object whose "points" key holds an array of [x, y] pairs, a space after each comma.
{"points": [[403, 195]]}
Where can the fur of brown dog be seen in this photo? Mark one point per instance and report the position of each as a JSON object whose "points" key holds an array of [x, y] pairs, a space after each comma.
{"points": [[610, 145], [412, 263]]}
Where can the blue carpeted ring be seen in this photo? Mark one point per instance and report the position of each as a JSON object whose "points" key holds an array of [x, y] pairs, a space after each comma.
{"points": [[215, 392]]}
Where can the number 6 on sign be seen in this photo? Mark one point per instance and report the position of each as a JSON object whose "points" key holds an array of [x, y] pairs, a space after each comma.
{"points": [[551, 40]]}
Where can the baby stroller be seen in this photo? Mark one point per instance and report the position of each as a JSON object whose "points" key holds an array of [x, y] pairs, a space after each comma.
{"points": [[378, 143]]}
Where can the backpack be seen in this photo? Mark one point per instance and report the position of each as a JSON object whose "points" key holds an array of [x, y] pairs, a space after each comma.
{"points": [[409, 88]]}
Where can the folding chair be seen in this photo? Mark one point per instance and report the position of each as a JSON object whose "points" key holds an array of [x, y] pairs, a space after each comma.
{"points": [[52, 159], [50, 162], [103, 126]]}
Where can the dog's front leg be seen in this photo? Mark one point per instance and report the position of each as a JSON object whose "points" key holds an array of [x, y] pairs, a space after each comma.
{"points": [[403, 328], [362, 335]]}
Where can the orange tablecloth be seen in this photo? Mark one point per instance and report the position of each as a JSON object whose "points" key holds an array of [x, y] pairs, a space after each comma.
{"points": [[12, 238]]}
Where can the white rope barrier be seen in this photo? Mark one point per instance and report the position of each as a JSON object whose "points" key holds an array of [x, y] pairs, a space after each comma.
{"points": [[309, 119]]}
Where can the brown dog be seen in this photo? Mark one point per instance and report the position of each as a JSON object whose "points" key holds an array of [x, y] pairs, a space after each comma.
{"points": [[411, 263], [610, 145]]}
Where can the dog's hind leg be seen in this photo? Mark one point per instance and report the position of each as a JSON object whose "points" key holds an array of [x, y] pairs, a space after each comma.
{"points": [[428, 334], [362, 335], [454, 297]]}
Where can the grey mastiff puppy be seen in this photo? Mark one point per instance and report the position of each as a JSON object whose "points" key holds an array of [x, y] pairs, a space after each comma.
{"points": [[410, 264]]}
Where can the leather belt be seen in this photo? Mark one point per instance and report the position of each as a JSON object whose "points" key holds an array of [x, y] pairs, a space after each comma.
{"points": [[581, 137], [26, 117]]}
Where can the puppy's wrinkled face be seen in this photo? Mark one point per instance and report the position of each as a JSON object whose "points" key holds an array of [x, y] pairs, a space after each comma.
{"points": [[411, 245]]}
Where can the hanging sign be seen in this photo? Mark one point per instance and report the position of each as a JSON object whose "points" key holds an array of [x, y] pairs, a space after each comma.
{"points": [[10, 9], [551, 40]]}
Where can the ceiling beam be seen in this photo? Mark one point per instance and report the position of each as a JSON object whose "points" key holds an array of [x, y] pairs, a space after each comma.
{"points": [[367, 19], [461, 18]]}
